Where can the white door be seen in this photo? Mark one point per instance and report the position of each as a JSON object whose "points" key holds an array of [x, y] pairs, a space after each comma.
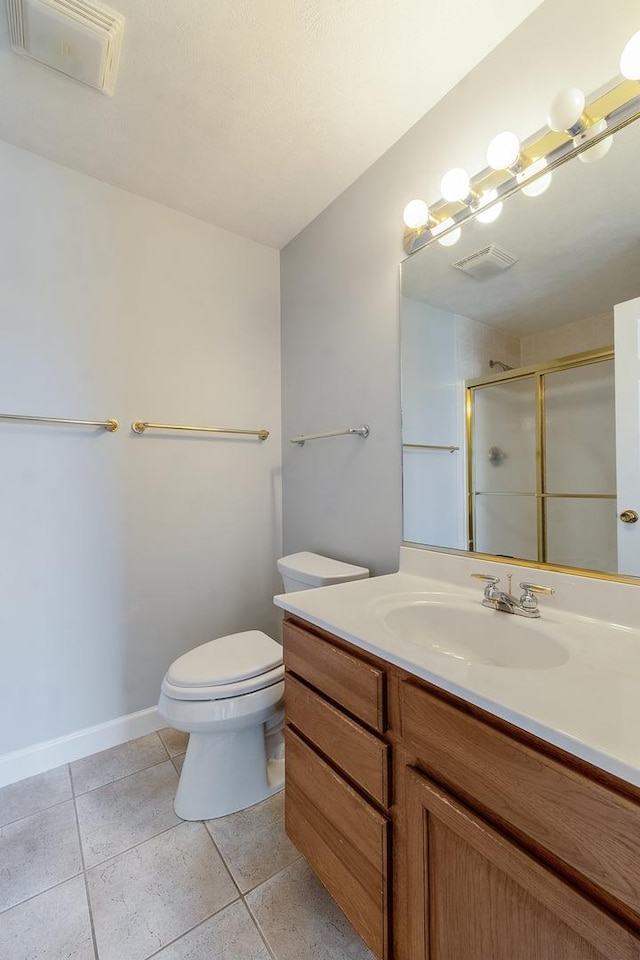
{"points": [[627, 367]]}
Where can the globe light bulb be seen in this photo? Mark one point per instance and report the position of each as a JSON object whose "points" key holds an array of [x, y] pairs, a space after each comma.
{"points": [[597, 152], [630, 59], [538, 186], [455, 185], [450, 238], [566, 112], [503, 151], [488, 216], [416, 214], [600, 149]]}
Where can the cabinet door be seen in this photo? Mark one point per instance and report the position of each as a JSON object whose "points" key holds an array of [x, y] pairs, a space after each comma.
{"points": [[475, 895]]}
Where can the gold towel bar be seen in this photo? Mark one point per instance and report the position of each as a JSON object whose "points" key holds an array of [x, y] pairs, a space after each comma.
{"points": [[139, 426], [109, 425]]}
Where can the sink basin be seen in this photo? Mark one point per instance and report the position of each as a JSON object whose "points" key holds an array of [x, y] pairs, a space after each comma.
{"points": [[473, 633]]}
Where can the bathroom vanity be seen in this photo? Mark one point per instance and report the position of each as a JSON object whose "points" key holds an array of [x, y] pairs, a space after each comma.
{"points": [[446, 826]]}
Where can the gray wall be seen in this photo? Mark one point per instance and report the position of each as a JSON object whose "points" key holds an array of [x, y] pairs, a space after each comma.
{"points": [[339, 279], [120, 552]]}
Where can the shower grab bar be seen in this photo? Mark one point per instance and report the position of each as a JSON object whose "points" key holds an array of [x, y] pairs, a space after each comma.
{"points": [[429, 446], [110, 425], [139, 426], [350, 431]]}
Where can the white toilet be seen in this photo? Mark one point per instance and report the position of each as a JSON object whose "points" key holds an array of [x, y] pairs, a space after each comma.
{"points": [[227, 694]]}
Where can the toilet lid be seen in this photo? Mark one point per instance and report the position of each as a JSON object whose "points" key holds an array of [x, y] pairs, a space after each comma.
{"points": [[226, 660], [225, 691]]}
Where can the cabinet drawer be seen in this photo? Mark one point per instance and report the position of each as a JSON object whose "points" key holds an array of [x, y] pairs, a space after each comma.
{"points": [[352, 748], [354, 684], [343, 839], [587, 829]]}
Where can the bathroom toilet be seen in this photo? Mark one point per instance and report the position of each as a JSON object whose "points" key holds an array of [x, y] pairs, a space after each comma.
{"points": [[227, 694]]}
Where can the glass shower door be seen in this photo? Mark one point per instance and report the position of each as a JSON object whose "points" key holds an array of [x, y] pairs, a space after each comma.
{"points": [[580, 467], [503, 431], [542, 465]]}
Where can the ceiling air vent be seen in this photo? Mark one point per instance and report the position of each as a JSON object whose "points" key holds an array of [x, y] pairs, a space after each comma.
{"points": [[78, 38], [486, 263]]}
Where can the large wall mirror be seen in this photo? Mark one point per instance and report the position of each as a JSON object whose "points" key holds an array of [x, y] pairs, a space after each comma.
{"points": [[520, 357]]}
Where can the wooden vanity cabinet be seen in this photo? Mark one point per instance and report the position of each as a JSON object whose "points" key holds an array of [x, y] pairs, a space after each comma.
{"points": [[337, 776], [503, 847]]}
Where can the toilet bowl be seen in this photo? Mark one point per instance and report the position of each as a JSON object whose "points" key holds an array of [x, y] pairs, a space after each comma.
{"points": [[227, 694]]}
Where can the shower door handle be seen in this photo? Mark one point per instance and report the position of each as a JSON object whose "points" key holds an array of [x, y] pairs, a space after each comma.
{"points": [[629, 516]]}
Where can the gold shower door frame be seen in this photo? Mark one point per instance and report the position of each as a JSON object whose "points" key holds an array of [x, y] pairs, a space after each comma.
{"points": [[535, 372]]}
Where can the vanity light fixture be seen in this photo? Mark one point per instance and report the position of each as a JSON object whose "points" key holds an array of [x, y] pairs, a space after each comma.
{"points": [[503, 153], [630, 59], [416, 214], [577, 129]]}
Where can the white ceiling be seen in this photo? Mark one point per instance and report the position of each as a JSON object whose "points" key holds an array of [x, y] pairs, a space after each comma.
{"points": [[252, 114]]}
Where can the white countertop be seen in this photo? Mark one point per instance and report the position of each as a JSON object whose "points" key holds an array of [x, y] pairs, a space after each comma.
{"points": [[588, 705]]}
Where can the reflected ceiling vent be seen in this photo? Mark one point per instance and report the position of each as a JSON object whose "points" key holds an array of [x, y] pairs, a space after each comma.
{"points": [[78, 38], [486, 263]]}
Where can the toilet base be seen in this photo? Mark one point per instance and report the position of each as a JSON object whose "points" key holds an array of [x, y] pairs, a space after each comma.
{"points": [[228, 771]]}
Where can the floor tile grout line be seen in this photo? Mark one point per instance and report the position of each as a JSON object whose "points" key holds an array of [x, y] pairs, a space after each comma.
{"points": [[259, 928], [124, 777], [94, 939], [36, 813], [71, 780], [166, 750], [40, 892], [261, 934], [272, 876], [221, 855], [252, 914], [133, 846], [200, 923]]}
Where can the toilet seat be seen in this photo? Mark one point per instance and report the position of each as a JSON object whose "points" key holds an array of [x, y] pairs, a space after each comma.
{"points": [[229, 666]]}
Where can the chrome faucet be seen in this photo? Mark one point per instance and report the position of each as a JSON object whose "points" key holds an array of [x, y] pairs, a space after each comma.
{"points": [[526, 606]]}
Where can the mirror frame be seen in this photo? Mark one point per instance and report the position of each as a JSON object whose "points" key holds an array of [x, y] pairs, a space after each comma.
{"points": [[620, 105]]}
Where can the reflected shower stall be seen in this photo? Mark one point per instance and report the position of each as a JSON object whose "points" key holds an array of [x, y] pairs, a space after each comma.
{"points": [[542, 463]]}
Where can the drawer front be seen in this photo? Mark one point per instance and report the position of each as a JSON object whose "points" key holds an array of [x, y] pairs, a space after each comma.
{"points": [[343, 839], [354, 684], [360, 754], [588, 829]]}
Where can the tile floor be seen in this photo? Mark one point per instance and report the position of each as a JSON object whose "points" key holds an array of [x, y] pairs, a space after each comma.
{"points": [[95, 865]]}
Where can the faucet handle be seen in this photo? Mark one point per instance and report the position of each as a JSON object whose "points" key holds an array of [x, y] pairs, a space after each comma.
{"points": [[528, 600], [536, 588], [490, 591]]}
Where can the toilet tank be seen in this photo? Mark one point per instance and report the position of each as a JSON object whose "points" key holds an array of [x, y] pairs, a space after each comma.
{"points": [[304, 571]]}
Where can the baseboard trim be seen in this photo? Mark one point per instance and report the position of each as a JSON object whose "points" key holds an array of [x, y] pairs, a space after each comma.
{"points": [[74, 746]]}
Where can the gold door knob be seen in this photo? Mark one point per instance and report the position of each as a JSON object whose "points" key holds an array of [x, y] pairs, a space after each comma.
{"points": [[629, 516]]}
